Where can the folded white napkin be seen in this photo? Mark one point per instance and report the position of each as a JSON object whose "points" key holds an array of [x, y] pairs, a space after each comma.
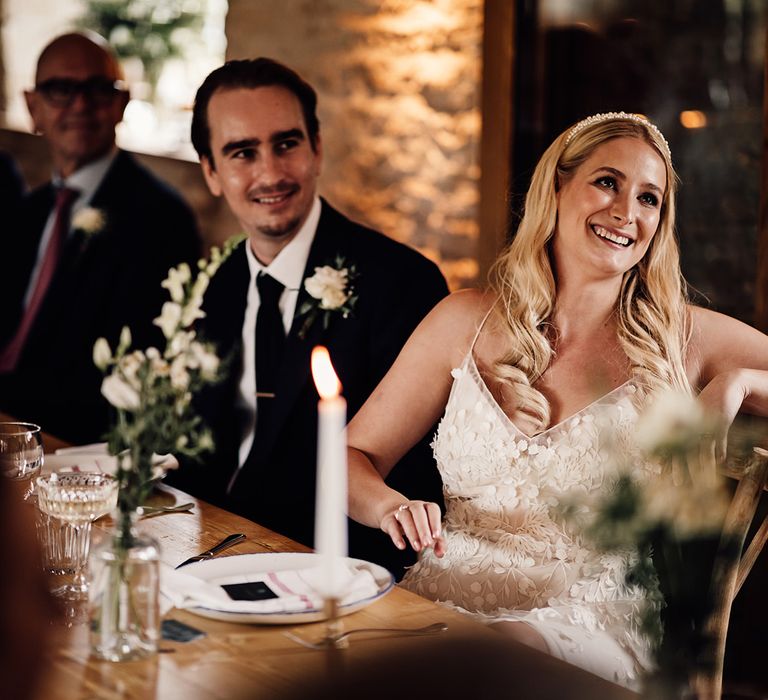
{"points": [[296, 590], [96, 458]]}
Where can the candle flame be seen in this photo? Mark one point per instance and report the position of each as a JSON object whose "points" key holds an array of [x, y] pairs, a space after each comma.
{"points": [[326, 380]]}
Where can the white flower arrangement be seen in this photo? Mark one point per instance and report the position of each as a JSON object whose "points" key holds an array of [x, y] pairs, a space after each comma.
{"points": [[90, 221], [686, 497], [672, 519], [152, 389], [331, 290]]}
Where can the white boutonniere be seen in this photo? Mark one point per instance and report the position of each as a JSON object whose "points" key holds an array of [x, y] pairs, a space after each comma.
{"points": [[331, 290], [90, 221]]}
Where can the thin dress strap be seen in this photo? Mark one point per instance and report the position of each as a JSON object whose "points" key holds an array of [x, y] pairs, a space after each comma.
{"points": [[480, 328]]}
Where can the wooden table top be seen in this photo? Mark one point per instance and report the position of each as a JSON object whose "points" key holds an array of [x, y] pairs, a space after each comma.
{"points": [[259, 661]]}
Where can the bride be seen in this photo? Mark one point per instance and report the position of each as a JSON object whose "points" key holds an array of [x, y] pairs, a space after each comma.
{"points": [[585, 317]]}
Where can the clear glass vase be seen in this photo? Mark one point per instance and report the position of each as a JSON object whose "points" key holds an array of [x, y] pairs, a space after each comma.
{"points": [[124, 593]]}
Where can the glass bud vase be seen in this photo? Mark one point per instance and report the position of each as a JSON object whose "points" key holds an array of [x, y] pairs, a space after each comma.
{"points": [[124, 593]]}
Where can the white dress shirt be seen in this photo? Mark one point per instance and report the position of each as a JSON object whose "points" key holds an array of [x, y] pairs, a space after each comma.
{"points": [[288, 269], [86, 181]]}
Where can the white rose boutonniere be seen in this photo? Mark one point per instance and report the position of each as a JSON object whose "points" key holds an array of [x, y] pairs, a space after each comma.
{"points": [[90, 221], [331, 290]]}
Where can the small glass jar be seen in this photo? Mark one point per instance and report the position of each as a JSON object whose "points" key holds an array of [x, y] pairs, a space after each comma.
{"points": [[124, 594]]}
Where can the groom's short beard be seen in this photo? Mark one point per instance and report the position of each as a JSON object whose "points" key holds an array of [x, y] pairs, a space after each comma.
{"points": [[283, 231]]}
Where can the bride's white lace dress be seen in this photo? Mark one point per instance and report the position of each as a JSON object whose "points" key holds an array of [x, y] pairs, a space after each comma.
{"points": [[511, 555]]}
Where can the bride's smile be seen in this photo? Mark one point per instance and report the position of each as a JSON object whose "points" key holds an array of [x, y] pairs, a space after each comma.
{"points": [[609, 210]]}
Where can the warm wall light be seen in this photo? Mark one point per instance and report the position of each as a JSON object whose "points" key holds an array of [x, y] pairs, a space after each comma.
{"points": [[693, 119]]}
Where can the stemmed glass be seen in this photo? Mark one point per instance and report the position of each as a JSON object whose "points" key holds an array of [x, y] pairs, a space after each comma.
{"points": [[21, 454], [76, 499]]}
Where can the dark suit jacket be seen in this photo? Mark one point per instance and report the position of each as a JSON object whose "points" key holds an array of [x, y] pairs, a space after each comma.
{"points": [[104, 281], [11, 187], [396, 287]]}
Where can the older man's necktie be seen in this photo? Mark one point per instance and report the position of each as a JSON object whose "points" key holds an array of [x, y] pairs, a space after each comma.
{"points": [[65, 197], [270, 341]]}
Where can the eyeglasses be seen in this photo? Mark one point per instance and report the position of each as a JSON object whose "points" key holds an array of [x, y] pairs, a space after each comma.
{"points": [[61, 92]]}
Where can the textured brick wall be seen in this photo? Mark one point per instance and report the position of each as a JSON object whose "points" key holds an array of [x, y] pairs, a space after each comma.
{"points": [[399, 90]]}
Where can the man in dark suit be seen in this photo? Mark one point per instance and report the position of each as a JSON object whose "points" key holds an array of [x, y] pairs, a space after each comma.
{"points": [[90, 248], [255, 129]]}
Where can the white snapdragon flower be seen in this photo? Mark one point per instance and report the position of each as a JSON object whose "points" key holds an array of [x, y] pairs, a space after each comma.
{"points": [[102, 355], [120, 393], [192, 311], [169, 318], [672, 419], [329, 286], [174, 283], [129, 367], [179, 373], [179, 343], [200, 286], [205, 359], [157, 364]]}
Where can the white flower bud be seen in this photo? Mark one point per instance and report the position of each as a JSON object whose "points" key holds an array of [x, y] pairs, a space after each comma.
{"points": [[125, 340], [102, 355]]}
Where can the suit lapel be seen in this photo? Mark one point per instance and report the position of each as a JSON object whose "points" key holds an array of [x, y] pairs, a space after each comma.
{"points": [[36, 212], [22, 244]]}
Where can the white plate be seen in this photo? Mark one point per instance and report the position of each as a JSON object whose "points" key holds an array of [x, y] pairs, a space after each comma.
{"points": [[239, 564]]}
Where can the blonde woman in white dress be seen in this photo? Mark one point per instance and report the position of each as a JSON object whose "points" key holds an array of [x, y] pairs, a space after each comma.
{"points": [[586, 315]]}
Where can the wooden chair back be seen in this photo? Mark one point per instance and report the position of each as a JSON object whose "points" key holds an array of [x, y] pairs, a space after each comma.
{"points": [[733, 564]]}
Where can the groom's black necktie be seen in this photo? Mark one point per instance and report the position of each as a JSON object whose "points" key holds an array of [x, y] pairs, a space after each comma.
{"points": [[270, 340]]}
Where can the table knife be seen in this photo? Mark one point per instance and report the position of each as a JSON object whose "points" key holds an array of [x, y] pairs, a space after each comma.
{"points": [[226, 543]]}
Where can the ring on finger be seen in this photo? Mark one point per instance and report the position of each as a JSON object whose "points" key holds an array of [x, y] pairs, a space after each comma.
{"points": [[403, 506]]}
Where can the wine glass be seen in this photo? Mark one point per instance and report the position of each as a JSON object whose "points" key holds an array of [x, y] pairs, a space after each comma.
{"points": [[21, 454], [73, 501]]}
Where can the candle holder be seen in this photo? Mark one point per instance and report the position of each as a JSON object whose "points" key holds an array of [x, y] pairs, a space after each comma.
{"points": [[333, 639]]}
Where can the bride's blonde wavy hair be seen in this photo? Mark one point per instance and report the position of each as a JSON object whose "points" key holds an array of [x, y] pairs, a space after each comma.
{"points": [[651, 309]]}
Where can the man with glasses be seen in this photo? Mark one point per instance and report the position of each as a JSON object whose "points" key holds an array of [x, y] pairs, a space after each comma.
{"points": [[90, 247]]}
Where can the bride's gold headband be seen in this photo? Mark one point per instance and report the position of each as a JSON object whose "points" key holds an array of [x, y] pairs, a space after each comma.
{"points": [[608, 116]]}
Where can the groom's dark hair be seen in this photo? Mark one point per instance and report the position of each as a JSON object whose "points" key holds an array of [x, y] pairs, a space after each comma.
{"points": [[251, 73]]}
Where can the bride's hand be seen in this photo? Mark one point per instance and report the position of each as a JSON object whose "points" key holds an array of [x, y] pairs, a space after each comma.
{"points": [[419, 522]]}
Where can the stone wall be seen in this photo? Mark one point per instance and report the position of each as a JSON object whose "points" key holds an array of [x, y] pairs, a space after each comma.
{"points": [[399, 94]]}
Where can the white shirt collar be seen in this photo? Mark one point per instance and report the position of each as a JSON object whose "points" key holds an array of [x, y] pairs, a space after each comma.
{"points": [[289, 264], [87, 179]]}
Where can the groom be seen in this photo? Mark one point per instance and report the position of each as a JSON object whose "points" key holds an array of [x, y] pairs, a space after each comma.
{"points": [[257, 134]]}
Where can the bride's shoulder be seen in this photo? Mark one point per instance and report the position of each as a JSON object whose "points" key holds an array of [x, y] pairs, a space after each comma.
{"points": [[465, 308], [455, 320]]}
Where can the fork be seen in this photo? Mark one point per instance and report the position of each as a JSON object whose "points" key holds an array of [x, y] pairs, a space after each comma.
{"points": [[336, 639]]}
